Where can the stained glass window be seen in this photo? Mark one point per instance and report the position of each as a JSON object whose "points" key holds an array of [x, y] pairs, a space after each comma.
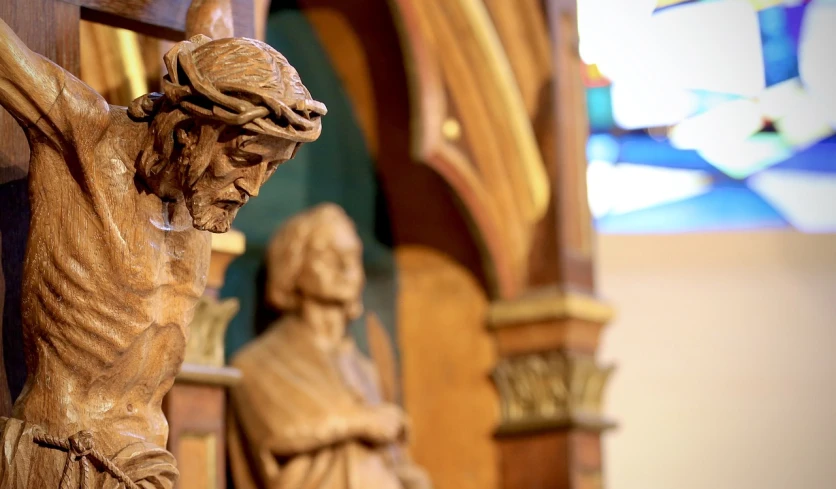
{"points": [[710, 115]]}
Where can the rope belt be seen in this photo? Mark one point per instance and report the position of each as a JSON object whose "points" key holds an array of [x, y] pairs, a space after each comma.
{"points": [[79, 448]]}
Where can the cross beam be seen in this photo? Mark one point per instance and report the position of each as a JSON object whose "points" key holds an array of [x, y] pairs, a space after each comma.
{"points": [[164, 19]]}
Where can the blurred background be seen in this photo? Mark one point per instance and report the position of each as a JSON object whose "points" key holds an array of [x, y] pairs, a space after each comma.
{"points": [[711, 179]]}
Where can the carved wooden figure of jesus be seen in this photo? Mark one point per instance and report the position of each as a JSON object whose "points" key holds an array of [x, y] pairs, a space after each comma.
{"points": [[308, 412], [118, 250]]}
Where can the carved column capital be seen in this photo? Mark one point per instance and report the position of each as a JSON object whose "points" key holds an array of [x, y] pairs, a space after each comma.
{"points": [[551, 390]]}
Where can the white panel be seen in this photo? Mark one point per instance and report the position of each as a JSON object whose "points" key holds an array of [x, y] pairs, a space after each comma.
{"points": [[642, 105], [816, 54], [742, 158], [707, 45], [729, 122], [806, 199], [624, 187]]}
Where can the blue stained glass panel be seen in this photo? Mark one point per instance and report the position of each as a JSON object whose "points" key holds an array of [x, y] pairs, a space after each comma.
{"points": [[732, 207], [729, 204], [599, 107], [602, 147], [644, 149], [795, 17], [821, 157]]}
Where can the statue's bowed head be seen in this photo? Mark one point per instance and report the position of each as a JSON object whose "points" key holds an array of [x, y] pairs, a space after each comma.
{"points": [[232, 110]]}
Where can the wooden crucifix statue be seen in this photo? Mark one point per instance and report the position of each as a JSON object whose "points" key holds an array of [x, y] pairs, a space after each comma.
{"points": [[118, 250]]}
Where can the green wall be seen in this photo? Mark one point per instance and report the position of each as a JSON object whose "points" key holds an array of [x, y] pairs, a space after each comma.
{"points": [[337, 168]]}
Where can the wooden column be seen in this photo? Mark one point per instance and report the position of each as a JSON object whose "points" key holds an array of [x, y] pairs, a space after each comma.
{"points": [[196, 405], [549, 381], [551, 388]]}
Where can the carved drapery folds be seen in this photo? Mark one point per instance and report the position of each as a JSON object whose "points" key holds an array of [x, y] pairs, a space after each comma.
{"points": [[550, 390]]}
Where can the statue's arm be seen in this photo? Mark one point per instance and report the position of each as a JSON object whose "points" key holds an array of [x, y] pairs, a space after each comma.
{"points": [[29, 83], [212, 18], [315, 434], [46, 99], [377, 425]]}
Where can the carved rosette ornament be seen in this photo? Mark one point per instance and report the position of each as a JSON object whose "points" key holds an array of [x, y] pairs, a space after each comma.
{"points": [[551, 390]]}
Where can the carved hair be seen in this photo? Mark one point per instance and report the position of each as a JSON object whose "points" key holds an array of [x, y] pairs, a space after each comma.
{"points": [[229, 82], [288, 251]]}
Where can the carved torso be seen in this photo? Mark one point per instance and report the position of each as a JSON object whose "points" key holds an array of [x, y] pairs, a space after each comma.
{"points": [[111, 279]]}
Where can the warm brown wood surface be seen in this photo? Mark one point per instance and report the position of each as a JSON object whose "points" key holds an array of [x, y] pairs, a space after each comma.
{"points": [[195, 410], [571, 334], [160, 18], [308, 397], [447, 357], [385, 106], [556, 460], [118, 253]]}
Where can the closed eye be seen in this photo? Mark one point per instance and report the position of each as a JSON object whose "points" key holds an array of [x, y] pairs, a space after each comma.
{"points": [[244, 159]]}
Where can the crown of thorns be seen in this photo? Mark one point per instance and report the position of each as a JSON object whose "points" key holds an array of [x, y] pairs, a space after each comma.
{"points": [[237, 97]]}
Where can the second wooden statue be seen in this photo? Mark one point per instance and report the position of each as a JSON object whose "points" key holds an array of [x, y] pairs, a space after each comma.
{"points": [[308, 412]]}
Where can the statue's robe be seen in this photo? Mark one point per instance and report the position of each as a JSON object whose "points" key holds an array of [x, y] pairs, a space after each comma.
{"points": [[291, 385]]}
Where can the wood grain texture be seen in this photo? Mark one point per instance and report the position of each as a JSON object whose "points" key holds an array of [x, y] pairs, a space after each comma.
{"points": [[541, 41], [118, 246], [159, 18], [51, 29], [563, 242], [499, 178], [447, 357], [523, 31], [490, 163]]}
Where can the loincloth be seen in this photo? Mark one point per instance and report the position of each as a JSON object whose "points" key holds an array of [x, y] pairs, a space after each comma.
{"points": [[32, 459]]}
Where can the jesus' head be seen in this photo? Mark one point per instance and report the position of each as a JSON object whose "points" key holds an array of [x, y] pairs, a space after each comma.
{"points": [[232, 110]]}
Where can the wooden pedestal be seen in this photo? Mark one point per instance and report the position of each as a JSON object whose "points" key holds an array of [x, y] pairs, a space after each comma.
{"points": [[196, 412], [552, 460], [551, 390]]}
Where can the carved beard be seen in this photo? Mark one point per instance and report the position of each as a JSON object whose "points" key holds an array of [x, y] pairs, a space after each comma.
{"points": [[211, 209], [207, 215]]}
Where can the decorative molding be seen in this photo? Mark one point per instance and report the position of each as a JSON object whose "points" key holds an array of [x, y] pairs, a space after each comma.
{"points": [[492, 161], [192, 373], [207, 330], [551, 390], [547, 305], [523, 29]]}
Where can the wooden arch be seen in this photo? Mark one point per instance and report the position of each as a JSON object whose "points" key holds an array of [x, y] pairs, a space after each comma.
{"points": [[453, 128]]}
